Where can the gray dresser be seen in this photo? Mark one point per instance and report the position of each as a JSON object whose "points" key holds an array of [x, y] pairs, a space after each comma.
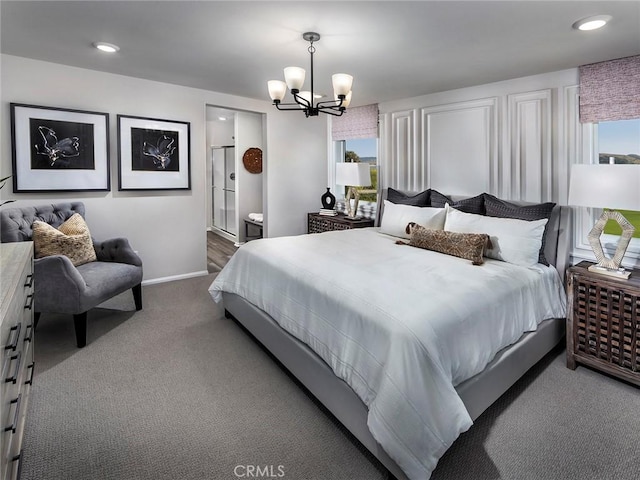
{"points": [[17, 338]]}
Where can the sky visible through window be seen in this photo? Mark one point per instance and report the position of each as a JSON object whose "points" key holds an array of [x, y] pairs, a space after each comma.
{"points": [[620, 137], [364, 147]]}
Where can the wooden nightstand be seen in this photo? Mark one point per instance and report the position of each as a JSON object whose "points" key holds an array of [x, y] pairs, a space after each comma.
{"points": [[317, 223], [603, 322]]}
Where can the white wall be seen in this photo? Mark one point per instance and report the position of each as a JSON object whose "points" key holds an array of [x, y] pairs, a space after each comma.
{"points": [[166, 227], [296, 169]]}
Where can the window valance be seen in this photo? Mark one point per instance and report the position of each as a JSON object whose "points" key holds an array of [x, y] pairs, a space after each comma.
{"points": [[610, 90], [357, 122]]}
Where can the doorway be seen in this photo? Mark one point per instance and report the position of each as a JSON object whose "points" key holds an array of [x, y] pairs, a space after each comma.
{"points": [[233, 192]]}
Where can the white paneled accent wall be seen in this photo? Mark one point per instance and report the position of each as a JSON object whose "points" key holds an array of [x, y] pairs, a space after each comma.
{"points": [[460, 147], [403, 150], [514, 139], [529, 137]]}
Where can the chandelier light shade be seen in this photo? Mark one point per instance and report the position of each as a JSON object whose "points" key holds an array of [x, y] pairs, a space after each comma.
{"points": [[341, 83], [294, 78], [277, 89]]}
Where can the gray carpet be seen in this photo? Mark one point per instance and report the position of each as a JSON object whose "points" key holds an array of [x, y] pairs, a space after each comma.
{"points": [[177, 391]]}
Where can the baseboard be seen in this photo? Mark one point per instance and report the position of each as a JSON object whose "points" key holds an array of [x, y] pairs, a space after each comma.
{"points": [[172, 278]]}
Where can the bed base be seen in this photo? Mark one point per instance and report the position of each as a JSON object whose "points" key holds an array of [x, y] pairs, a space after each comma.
{"points": [[477, 393]]}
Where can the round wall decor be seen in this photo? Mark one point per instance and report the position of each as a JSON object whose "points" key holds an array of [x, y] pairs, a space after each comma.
{"points": [[252, 160]]}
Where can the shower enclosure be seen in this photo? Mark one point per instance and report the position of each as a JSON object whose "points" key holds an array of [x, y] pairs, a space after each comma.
{"points": [[223, 183]]}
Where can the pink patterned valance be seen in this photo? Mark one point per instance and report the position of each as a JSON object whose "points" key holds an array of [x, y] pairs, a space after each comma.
{"points": [[356, 122], [610, 90]]}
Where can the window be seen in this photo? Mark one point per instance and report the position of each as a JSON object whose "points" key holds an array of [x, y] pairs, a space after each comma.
{"points": [[364, 150], [619, 143]]}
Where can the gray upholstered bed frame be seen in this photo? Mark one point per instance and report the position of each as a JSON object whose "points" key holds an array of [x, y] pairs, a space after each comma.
{"points": [[477, 393]]}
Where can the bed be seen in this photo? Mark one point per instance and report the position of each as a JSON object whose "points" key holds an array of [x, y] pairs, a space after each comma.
{"points": [[345, 313]]}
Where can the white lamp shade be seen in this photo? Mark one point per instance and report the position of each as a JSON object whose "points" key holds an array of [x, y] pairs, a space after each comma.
{"points": [[345, 102], [353, 174], [277, 89], [605, 186], [341, 83], [294, 76]]}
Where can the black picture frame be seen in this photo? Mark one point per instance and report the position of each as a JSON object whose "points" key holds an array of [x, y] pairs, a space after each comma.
{"points": [[59, 149], [153, 154]]}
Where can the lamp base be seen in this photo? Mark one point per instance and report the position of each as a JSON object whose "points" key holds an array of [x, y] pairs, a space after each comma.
{"points": [[620, 273], [605, 265], [352, 210]]}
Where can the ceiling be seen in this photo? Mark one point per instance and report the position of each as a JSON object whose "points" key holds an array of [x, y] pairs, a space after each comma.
{"points": [[394, 49]]}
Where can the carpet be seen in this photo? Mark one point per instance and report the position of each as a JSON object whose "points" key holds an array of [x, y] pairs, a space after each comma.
{"points": [[177, 391]]}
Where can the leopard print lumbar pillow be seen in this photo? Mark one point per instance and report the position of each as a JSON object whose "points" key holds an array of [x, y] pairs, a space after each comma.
{"points": [[469, 246], [72, 239]]}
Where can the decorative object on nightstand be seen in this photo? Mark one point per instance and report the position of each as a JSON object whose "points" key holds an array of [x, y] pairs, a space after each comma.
{"points": [[603, 322], [318, 223], [352, 175], [615, 187], [328, 200]]}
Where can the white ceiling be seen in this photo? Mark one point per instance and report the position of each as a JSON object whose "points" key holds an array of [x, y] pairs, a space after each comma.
{"points": [[394, 49]]}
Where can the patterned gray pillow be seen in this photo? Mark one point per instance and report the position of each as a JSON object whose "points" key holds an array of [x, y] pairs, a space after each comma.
{"points": [[418, 200], [467, 205]]}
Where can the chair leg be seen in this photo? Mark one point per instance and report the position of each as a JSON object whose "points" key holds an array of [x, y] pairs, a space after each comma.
{"points": [[137, 296], [80, 322]]}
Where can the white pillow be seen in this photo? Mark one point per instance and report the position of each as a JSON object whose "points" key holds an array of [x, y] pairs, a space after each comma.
{"points": [[396, 216], [513, 241]]}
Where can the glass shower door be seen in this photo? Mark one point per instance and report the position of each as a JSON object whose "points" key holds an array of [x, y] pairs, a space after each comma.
{"points": [[223, 185]]}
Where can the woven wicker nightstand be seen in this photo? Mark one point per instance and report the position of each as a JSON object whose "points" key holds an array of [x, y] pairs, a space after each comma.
{"points": [[603, 322], [317, 223]]}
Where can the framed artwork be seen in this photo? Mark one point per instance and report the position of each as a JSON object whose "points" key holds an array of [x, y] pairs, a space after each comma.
{"points": [[153, 154], [59, 149]]}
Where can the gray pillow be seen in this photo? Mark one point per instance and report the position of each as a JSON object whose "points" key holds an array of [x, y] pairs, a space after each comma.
{"points": [[418, 200], [467, 205], [495, 207]]}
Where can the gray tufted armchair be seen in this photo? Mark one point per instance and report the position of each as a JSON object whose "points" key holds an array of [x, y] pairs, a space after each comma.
{"points": [[61, 287]]}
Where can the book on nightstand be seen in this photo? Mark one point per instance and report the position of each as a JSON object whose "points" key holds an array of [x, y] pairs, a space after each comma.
{"points": [[327, 212], [620, 273]]}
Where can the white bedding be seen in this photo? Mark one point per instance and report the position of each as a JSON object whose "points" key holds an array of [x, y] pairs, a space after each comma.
{"points": [[401, 325]]}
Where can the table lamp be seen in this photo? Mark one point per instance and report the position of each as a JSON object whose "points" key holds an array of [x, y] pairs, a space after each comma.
{"points": [[353, 174], [613, 187]]}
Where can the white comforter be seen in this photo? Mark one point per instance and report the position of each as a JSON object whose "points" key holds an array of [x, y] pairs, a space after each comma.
{"points": [[401, 325]]}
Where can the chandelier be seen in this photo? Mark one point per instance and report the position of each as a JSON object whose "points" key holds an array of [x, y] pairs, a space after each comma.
{"points": [[305, 100]]}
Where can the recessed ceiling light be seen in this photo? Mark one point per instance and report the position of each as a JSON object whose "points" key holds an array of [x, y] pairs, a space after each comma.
{"points": [[592, 23], [222, 118], [106, 47]]}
